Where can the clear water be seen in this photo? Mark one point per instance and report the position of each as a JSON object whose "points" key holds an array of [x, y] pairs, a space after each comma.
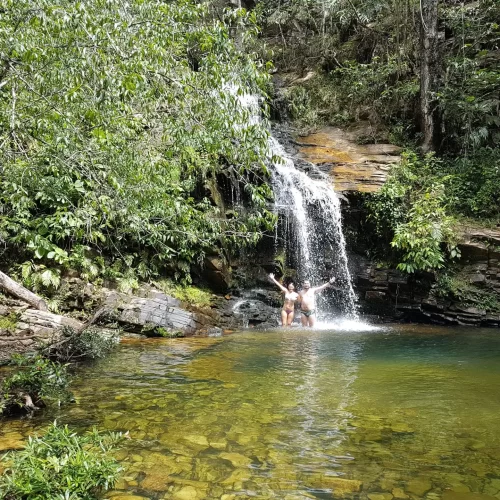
{"points": [[401, 412]]}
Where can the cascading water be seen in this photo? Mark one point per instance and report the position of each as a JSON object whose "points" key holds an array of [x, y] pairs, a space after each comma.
{"points": [[310, 222], [311, 227]]}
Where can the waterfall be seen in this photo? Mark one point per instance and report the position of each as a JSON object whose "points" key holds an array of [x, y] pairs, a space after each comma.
{"points": [[310, 221], [310, 227]]}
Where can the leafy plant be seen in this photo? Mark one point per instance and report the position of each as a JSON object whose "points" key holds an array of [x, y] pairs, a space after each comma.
{"points": [[36, 382], [111, 123], [411, 211], [456, 286], [69, 345], [8, 323], [61, 465], [186, 293]]}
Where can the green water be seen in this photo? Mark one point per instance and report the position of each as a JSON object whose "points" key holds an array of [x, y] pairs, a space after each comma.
{"points": [[403, 412]]}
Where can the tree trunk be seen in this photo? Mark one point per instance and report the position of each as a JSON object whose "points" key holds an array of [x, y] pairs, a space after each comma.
{"points": [[429, 71], [10, 286]]}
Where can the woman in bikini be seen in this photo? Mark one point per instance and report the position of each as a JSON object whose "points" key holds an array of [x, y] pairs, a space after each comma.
{"points": [[288, 311]]}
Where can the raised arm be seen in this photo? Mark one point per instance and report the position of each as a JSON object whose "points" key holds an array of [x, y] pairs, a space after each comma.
{"points": [[283, 289], [326, 285]]}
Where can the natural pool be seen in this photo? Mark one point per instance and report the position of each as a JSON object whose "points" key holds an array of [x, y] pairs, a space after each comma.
{"points": [[402, 412]]}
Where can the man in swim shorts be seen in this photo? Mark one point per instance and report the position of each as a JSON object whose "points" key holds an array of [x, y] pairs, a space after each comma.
{"points": [[308, 302]]}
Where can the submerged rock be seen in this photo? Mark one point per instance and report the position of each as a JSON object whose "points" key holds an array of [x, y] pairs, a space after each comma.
{"points": [[419, 486]]}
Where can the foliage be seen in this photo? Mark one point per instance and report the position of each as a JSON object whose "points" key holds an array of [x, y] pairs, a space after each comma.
{"points": [[92, 343], [62, 465], [113, 118], [186, 293], [37, 377], [8, 323], [365, 61], [474, 187], [153, 330], [411, 212], [468, 98], [456, 286]]}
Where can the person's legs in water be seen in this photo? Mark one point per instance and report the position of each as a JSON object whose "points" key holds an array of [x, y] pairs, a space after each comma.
{"points": [[284, 317], [311, 320], [303, 319], [290, 318]]}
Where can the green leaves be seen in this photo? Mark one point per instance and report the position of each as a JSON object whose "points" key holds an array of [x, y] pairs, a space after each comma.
{"points": [[62, 465], [411, 211], [111, 120], [40, 379]]}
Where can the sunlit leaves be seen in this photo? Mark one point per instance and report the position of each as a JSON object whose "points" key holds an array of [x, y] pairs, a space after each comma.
{"points": [[113, 115]]}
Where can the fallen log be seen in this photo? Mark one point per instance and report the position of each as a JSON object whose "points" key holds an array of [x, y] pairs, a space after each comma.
{"points": [[17, 290]]}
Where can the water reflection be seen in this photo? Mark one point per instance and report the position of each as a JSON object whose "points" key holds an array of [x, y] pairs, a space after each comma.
{"points": [[401, 413]]}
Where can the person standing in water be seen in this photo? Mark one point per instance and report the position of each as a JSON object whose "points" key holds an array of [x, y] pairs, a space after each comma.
{"points": [[308, 302], [291, 296]]}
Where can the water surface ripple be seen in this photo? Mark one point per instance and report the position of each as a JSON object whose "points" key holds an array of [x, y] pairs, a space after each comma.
{"points": [[403, 413]]}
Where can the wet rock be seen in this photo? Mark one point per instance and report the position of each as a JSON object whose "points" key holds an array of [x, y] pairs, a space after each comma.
{"points": [[480, 469], [155, 481], [354, 167], [218, 444], [380, 496], [121, 496], [476, 445], [418, 486], [401, 428], [399, 494], [495, 483], [12, 441], [197, 440], [339, 485], [236, 459], [215, 332], [155, 310], [459, 488], [237, 476], [456, 495]]}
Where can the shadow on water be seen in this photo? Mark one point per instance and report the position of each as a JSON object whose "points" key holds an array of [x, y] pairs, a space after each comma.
{"points": [[400, 412]]}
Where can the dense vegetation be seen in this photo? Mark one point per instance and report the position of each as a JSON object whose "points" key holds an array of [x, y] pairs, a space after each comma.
{"points": [[349, 60], [124, 138], [120, 127], [62, 465], [36, 382]]}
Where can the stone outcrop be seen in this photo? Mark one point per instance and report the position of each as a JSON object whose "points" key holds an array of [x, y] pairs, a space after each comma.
{"points": [[24, 329], [353, 166], [389, 293], [154, 309]]}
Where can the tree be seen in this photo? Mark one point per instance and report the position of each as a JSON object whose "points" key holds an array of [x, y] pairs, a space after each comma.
{"points": [[429, 71], [113, 119]]}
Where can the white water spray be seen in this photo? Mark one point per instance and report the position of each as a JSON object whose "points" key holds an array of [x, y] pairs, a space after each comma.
{"points": [[311, 224], [310, 221]]}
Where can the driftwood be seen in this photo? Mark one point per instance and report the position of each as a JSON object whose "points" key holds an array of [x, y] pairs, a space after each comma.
{"points": [[17, 290]]}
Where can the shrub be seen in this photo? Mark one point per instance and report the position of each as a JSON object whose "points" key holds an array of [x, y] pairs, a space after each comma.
{"points": [[411, 211], [474, 185], [186, 293], [457, 286], [36, 382], [92, 343], [61, 465]]}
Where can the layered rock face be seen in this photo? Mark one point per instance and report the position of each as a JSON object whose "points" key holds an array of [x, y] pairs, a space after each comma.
{"points": [[388, 292], [354, 166], [362, 168], [23, 329]]}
